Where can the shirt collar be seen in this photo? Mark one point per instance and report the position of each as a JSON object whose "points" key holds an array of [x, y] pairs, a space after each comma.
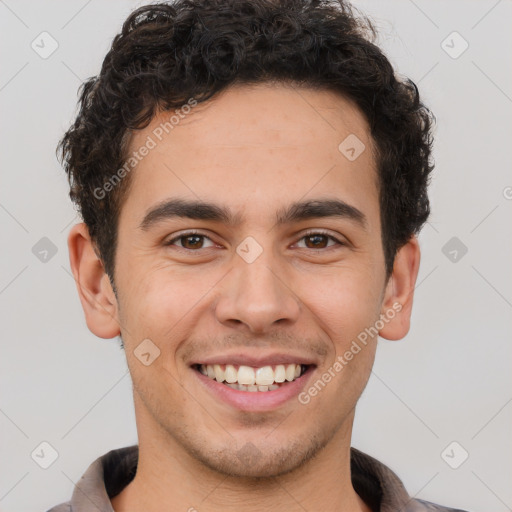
{"points": [[378, 485]]}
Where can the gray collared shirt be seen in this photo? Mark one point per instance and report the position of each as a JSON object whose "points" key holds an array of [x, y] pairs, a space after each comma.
{"points": [[109, 474]]}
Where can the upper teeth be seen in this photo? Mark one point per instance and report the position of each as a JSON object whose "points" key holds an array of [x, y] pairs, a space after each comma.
{"points": [[247, 375]]}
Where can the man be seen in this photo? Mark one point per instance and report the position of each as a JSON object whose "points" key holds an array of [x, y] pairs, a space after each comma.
{"points": [[252, 177]]}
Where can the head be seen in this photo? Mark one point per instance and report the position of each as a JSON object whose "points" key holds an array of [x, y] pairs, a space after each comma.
{"points": [[252, 176]]}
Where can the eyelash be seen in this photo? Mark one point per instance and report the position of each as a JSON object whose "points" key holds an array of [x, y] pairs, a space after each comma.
{"points": [[305, 235]]}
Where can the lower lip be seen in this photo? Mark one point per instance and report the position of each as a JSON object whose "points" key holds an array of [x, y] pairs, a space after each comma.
{"points": [[257, 401]]}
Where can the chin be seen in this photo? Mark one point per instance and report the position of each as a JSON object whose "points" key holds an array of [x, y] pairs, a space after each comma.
{"points": [[258, 461]]}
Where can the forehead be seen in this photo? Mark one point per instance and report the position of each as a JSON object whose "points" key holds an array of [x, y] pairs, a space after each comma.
{"points": [[255, 145], [287, 112]]}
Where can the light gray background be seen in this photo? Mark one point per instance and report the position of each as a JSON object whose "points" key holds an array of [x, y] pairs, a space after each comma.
{"points": [[449, 380]]}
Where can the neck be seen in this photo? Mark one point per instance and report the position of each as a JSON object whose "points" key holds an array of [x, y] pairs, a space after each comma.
{"points": [[169, 476]]}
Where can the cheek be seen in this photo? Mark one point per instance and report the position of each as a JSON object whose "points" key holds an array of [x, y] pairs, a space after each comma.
{"points": [[343, 309], [343, 303], [161, 303]]}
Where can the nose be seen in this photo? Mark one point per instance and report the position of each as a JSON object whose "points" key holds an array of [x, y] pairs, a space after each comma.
{"points": [[257, 296]]}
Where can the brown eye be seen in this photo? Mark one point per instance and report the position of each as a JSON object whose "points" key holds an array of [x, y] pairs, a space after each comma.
{"points": [[191, 241], [318, 241]]}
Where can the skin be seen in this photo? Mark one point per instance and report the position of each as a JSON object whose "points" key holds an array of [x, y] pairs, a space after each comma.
{"points": [[254, 150]]}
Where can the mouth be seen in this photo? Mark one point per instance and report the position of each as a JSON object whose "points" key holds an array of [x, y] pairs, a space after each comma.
{"points": [[253, 380], [254, 388]]}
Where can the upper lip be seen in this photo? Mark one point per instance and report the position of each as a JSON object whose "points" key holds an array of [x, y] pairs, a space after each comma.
{"points": [[255, 360]]}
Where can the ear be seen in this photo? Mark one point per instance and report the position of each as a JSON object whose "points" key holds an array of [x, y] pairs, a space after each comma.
{"points": [[93, 284], [399, 292]]}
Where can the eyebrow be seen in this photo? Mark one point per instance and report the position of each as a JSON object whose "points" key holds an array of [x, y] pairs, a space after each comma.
{"points": [[296, 212]]}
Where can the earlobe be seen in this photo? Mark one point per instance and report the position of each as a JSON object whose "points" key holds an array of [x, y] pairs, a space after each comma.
{"points": [[399, 293], [94, 288]]}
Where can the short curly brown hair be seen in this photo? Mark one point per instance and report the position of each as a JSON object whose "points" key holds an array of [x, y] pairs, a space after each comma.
{"points": [[169, 52]]}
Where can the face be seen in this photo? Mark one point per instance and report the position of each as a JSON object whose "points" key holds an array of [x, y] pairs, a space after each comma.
{"points": [[250, 256]]}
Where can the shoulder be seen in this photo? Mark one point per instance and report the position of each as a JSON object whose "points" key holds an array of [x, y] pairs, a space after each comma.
{"points": [[376, 483]]}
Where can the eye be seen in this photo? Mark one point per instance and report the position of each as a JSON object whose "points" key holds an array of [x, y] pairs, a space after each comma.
{"points": [[191, 240], [318, 240], [194, 240]]}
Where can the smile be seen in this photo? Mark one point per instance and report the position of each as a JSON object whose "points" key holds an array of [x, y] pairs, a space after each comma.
{"points": [[247, 378]]}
